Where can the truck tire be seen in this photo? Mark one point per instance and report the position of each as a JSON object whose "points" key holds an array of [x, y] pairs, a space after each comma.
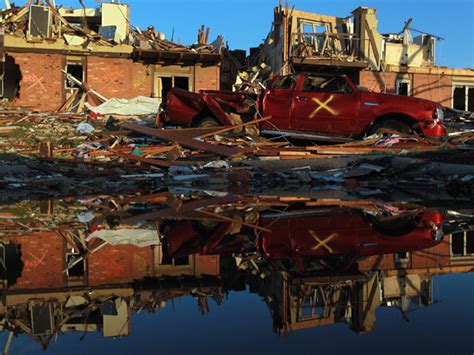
{"points": [[393, 228], [205, 226], [394, 125], [207, 122]]}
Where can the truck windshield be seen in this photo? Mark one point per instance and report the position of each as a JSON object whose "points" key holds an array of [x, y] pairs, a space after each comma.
{"points": [[334, 84]]}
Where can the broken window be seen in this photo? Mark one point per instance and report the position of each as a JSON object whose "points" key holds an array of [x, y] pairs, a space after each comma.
{"points": [[181, 82], [76, 266], [328, 84], [470, 243], [181, 261], [462, 244], [284, 83], [77, 72], [470, 99], [10, 77], [459, 100], [463, 97], [313, 34], [403, 87], [41, 315], [165, 83], [308, 33], [40, 21], [166, 258], [402, 257]]}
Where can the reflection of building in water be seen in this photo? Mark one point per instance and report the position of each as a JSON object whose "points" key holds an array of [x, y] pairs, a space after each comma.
{"points": [[401, 280], [57, 287]]}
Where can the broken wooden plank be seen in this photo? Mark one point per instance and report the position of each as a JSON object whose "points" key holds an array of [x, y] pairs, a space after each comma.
{"points": [[231, 128], [232, 220], [156, 162], [172, 136], [186, 207]]}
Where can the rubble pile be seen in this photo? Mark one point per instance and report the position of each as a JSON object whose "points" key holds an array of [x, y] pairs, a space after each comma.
{"points": [[153, 40], [139, 210], [105, 29], [75, 27]]}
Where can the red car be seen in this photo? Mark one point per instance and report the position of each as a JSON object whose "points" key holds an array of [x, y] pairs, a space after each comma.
{"points": [[302, 104]]}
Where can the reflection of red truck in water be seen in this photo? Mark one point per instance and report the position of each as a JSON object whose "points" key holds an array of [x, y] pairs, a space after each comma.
{"points": [[308, 104], [349, 233], [327, 233]]}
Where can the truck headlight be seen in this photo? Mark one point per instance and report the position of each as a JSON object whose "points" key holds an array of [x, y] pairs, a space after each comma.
{"points": [[437, 234], [438, 113]]}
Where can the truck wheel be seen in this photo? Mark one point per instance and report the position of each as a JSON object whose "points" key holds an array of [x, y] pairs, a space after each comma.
{"points": [[205, 226], [400, 226], [393, 125], [207, 122]]}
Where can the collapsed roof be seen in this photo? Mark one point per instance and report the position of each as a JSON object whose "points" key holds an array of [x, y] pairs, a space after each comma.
{"points": [[88, 28]]}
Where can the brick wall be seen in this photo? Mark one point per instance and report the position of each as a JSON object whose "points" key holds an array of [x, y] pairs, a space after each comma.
{"points": [[41, 81], [206, 78], [119, 77], [44, 262], [119, 264], [377, 81], [43, 258], [426, 86], [433, 87], [437, 256]]}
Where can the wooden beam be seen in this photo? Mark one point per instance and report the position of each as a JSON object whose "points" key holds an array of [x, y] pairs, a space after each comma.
{"points": [[372, 42], [232, 220], [174, 136], [186, 207]]}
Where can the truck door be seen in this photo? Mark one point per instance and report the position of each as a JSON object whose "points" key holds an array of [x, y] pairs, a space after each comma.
{"points": [[325, 104], [277, 102]]}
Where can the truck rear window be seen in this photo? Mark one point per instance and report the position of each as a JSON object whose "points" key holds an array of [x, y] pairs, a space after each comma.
{"points": [[284, 83], [335, 84]]}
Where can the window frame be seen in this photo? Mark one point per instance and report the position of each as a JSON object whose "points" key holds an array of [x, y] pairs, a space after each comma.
{"points": [[158, 85], [465, 254], [403, 81], [467, 86]]}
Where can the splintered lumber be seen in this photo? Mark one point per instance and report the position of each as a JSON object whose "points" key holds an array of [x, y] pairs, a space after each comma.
{"points": [[196, 132], [231, 128], [232, 220], [186, 207], [362, 204], [461, 138], [156, 162], [174, 136], [348, 150]]}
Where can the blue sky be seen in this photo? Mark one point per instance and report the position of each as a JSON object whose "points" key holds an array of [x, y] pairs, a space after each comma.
{"points": [[245, 23]]}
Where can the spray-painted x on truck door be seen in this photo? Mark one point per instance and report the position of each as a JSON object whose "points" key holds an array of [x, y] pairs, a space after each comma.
{"points": [[325, 104]]}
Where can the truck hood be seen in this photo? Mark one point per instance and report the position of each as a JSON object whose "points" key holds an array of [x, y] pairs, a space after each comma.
{"points": [[377, 99]]}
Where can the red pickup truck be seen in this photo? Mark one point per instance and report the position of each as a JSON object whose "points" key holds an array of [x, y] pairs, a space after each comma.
{"points": [[307, 104], [309, 233]]}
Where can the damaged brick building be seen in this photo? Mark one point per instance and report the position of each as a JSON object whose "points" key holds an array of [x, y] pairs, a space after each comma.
{"points": [[41, 44], [395, 63]]}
